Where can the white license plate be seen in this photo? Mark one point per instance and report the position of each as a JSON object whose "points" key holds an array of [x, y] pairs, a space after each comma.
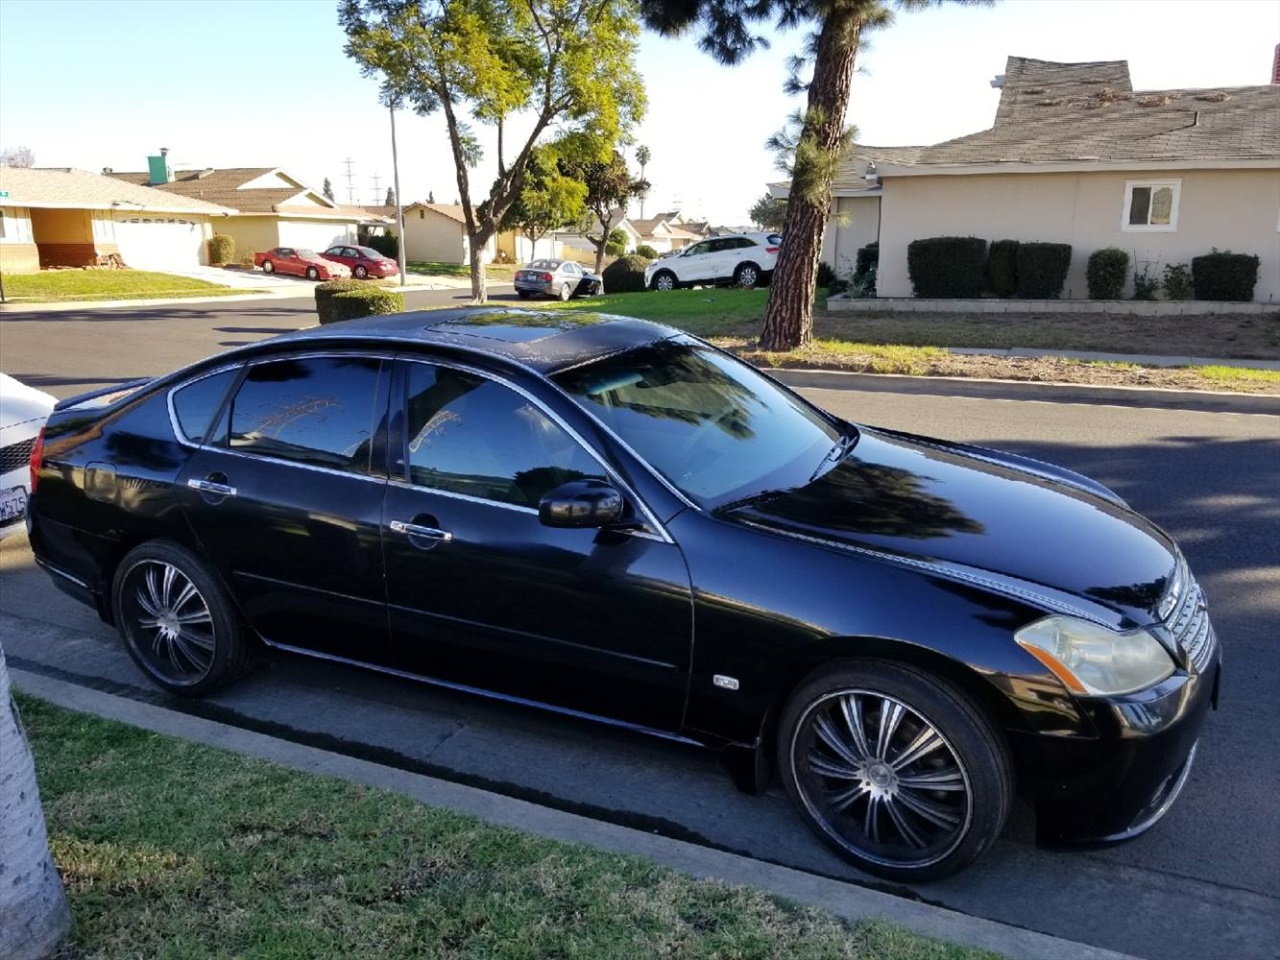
{"points": [[13, 504]]}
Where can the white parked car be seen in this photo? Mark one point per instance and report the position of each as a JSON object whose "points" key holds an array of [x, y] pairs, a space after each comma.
{"points": [[23, 411], [742, 259]]}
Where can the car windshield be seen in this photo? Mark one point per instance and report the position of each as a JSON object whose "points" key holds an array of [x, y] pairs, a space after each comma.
{"points": [[308, 254], [711, 425]]}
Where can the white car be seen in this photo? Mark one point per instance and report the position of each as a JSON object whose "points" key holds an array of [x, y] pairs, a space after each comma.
{"points": [[743, 259], [23, 411]]}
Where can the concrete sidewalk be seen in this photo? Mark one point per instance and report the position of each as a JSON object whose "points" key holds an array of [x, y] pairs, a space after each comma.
{"points": [[846, 900]]}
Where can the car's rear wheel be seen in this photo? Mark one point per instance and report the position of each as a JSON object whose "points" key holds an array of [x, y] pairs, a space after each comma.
{"points": [[177, 621], [360, 272], [663, 280], [896, 769], [565, 292], [268, 266], [747, 275], [313, 273]]}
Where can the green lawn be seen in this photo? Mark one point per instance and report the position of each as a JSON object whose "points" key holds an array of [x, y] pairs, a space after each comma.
{"points": [[432, 268], [173, 849], [707, 312], [55, 285]]}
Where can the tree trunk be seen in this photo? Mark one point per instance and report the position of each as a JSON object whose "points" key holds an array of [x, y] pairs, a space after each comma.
{"points": [[788, 317], [479, 293], [34, 915]]}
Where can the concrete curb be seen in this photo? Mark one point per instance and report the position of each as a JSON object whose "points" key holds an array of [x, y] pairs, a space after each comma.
{"points": [[844, 899], [1199, 400]]}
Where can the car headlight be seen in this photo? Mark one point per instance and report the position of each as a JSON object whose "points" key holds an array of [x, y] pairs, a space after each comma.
{"points": [[1093, 660]]}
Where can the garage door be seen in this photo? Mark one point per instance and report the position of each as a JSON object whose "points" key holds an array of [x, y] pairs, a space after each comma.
{"points": [[160, 243], [315, 235]]}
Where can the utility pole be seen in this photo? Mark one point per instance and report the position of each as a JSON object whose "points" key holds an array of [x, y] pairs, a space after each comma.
{"points": [[351, 181], [377, 195], [395, 170]]}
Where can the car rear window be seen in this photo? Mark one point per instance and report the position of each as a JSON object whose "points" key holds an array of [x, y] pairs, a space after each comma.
{"points": [[195, 403]]}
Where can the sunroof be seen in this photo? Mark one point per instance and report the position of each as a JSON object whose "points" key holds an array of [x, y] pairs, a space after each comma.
{"points": [[516, 326]]}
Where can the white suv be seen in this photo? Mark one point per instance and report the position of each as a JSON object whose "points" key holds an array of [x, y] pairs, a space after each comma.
{"points": [[743, 259]]}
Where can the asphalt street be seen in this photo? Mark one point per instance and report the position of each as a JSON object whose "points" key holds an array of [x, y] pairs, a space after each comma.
{"points": [[1205, 883]]}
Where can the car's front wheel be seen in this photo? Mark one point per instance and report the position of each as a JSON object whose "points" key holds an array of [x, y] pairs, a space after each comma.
{"points": [[268, 266], [663, 280], [896, 769], [176, 620], [313, 273]]}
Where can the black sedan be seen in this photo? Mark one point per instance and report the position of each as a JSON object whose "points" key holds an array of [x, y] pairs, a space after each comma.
{"points": [[561, 279], [610, 518]]}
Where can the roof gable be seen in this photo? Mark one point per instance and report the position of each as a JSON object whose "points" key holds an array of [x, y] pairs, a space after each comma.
{"points": [[45, 187]]}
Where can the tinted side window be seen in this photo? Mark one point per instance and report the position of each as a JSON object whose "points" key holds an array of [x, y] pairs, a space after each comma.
{"points": [[317, 410], [196, 403], [472, 436]]}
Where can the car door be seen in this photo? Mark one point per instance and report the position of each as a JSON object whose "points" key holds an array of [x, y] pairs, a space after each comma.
{"points": [[287, 262], [482, 594], [285, 496], [695, 264], [572, 275]]}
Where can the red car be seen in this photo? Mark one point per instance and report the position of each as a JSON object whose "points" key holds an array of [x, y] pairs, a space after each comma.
{"points": [[363, 261], [300, 263]]}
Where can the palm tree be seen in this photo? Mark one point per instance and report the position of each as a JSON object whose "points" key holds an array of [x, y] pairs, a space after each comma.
{"points": [[34, 915], [643, 156]]}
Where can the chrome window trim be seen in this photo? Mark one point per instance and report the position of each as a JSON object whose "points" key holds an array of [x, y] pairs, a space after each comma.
{"points": [[407, 485], [491, 376], [178, 432], [261, 457]]}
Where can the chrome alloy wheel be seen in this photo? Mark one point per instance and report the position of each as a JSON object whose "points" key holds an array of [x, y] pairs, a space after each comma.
{"points": [[169, 622], [880, 779], [664, 281]]}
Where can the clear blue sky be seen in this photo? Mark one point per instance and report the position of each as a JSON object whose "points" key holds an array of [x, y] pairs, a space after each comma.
{"points": [[265, 83]]}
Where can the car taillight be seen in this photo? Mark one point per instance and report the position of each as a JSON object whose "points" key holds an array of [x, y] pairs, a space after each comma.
{"points": [[37, 458], [771, 249], [545, 277]]}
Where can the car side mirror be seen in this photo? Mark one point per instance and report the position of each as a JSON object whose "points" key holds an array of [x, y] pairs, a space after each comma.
{"points": [[581, 503]]}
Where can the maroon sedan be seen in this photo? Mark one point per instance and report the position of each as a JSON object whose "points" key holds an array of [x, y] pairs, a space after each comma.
{"points": [[363, 261], [300, 263]]}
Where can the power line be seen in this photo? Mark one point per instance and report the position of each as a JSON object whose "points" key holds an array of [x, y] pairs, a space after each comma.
{"points": [[351, 181]]}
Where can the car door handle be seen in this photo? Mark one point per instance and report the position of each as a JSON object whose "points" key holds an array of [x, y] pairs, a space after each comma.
{"points": [[208, 486], [414, 530]]}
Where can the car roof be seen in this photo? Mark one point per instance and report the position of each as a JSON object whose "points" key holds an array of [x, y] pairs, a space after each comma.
{"points": [[544, 340]]}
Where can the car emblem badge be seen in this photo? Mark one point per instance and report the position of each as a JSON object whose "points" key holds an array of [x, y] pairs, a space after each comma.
{"points": [[727, 683]]}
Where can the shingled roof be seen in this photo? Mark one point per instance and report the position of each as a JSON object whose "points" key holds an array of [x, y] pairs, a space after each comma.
{"points": [[66, 187], [226, 186], [1088, 112]]}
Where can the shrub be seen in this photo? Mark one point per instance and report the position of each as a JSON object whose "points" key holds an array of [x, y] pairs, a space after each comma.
{"points": [[866, 261], [385, 243], [616, 245], [1042, 269], [325, 292], [1106, 273], [1177, 282], [646, 251], [1223, 275], [366, 302], [1144, 284], [946, 266], [625, 275], [826, 276], [1002, 268], [222, 249]]}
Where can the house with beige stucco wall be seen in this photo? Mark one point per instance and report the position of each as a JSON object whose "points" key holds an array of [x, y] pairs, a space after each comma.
{"points": [[1076, 155]]}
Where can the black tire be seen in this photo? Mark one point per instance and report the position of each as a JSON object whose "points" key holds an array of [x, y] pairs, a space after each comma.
{"points": [[852, 789], [313, 273], [566, 292], [177, 621], [664, 280], [268, 266], [746, 275], [360, 272]]}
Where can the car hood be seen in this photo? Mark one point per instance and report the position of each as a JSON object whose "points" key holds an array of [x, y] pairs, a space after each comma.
{"points": [[983, 516]]}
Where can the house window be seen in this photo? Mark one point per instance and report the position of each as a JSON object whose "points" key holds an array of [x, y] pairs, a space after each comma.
{"points": [[1151, 206]]}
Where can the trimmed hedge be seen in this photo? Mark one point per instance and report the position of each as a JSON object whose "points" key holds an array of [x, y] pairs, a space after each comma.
{"points": [[1223, 275], [1106, 273], [826, 276], [385, 243], [325, 292], [366, 302], [625, 275], [866, 262], [1042, 269], [222, 249], [646, 251], [946, 266], [1002, 267]]}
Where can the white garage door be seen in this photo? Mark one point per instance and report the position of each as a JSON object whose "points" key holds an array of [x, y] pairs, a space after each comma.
{"points": [[316, 235], [160, 243]]}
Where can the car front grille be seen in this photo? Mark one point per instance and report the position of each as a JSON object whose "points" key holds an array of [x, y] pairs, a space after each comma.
{"points": [[16, 455], [1190, 627]]}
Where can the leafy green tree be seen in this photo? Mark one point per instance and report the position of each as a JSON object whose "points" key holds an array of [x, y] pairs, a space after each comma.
{"points": [[391, 197], [610, 187], [548, 201], [768, 213], [327, 190], [643, 156], [837, 28], [617, 243], [563, 63]]}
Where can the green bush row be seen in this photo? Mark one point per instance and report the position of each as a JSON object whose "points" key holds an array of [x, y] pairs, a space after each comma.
{"points": [[946, 266], [625, 275], [366, 302], [1223, 275]]}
